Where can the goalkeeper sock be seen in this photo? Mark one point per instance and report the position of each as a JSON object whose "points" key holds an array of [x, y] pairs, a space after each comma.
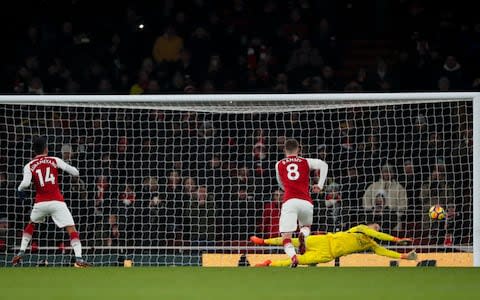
{"points": [[274, 241], [76, 244], [289, 248], [305, 230], [26, 237]]}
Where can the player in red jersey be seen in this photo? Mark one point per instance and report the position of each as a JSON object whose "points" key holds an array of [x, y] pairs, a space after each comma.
{"points": [[293, 175], [43, 169]]}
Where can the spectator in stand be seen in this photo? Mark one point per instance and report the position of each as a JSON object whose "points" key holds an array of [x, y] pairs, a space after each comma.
{"points": [[189, 187], [269, 226], [353, 87], [436, 147], [171, 208], [67, 154], [333, 195], [453, 71], [382, 79], [438, 191], [278, 151], [153, 87], [260, 161], [296, 30], [150, 191], [215, 70], [101, 195], [411, 179], [167, 47], [105, 86], [35, 86], [107, 233], [200, 216], [200, 45], [329, 81], [363, 79], [353, 184], [217, 178], [281, 83], [476, 84], [387, 196], [312, 84], [141, 85], [304, 62], [333, 204], [443, 84], [5, 238], [184, 64]]}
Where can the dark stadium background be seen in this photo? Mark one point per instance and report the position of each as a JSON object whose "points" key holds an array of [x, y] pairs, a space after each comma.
{"points": [[85, 47], [71, 51]]}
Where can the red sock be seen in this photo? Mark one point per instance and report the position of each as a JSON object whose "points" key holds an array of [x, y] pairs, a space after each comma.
{"points": [[76, 244], [29, 229], [287, 241], [74, 236]]}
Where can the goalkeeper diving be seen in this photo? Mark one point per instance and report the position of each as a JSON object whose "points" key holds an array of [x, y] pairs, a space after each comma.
{"points": [[326, 247]]}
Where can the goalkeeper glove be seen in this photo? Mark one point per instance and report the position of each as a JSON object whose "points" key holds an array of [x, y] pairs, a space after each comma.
{"points": [[403, 241], [21, 195], [412, 255]]}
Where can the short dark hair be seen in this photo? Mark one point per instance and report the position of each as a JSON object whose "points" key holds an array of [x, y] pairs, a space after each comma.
{"points": [[291, 145], [39, 145]]}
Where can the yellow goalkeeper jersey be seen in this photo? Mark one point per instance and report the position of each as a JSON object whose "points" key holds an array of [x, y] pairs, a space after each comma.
{"points": [[357, 239]]}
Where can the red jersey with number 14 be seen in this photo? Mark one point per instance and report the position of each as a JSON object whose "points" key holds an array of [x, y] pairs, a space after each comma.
{"points": [[293, 173], [45, 178]]}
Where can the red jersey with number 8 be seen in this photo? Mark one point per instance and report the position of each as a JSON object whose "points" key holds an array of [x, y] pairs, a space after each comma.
{"points": [[293, 173], [45, 178]]}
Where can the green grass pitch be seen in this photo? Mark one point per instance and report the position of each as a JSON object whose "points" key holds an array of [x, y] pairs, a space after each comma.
{"points": [[239, 283]]}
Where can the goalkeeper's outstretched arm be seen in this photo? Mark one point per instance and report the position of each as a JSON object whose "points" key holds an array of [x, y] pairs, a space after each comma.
{"points": [[368, 230], [379, 250]]}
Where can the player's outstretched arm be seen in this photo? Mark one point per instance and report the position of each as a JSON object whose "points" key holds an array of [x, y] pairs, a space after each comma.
{"points": [[27, 179], [318, 164], [412, 255], [379, 235], [66, 167]]}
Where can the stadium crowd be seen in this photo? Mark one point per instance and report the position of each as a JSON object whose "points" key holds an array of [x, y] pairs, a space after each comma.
{"points": [[155, 177], [198, 46], [161, 177]]}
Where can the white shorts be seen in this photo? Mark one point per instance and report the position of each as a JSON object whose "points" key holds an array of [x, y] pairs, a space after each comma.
{"points": [[295, 210], [58, 210]]}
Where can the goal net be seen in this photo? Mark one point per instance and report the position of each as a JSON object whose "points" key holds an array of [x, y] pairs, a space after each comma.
{"points": [[165, 180]]}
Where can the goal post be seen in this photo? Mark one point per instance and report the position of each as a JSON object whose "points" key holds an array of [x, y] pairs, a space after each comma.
{"points": [[166, 179], [476, 180]]}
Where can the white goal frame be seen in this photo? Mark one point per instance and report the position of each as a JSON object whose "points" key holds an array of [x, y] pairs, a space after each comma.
{"points": [[154, 101]]}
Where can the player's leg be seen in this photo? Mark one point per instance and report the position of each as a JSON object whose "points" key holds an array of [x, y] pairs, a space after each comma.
{"points": [[63, 219], [26, 238], [305, 219], [278, 241], [77, 246], [309, 258], [288, 224], [38, 214]]}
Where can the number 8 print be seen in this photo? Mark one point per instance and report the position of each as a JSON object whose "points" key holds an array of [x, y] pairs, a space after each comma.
{"points": [[292, 172]]}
